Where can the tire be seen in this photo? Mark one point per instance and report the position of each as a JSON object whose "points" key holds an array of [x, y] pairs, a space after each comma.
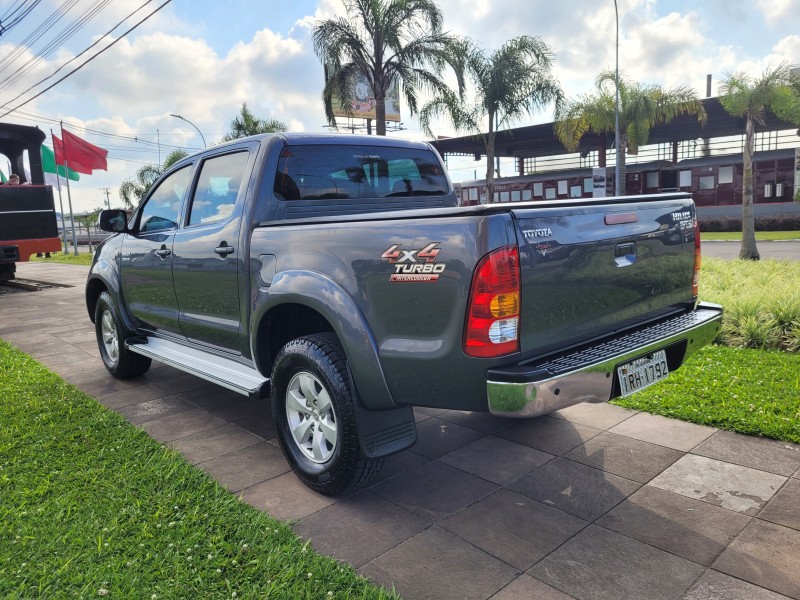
{"points": [[119, 361], [314, 415]]}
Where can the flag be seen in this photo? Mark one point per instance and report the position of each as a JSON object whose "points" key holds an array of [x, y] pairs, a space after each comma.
{"points": [[2, 177], [78, 154], [49, 167]]}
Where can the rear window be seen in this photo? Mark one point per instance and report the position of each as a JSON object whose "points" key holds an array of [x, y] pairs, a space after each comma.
{"points": [[322, 172]]}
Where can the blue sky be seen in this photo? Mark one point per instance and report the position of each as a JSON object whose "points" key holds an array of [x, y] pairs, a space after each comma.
{"points": [[203, 58]]}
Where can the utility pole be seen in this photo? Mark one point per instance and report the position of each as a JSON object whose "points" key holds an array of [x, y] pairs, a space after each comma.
{"points": [[107, 191]]}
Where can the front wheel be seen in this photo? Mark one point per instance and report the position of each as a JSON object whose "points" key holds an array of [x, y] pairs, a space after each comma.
{"points": [[312, 407], [119, 361]]}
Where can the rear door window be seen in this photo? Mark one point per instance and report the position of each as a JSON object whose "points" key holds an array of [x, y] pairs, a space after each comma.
{"points": [[217, 188], [347, 172]]}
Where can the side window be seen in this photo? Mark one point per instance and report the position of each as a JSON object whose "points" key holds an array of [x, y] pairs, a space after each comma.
{"points": [[217, 188], [163, 207]]}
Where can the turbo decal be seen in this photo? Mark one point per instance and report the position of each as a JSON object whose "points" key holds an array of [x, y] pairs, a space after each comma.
{"points": [[414, 265]]}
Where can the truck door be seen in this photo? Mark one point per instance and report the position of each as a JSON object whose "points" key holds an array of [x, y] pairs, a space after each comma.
{"points": [[146, 268], [208, 256]]}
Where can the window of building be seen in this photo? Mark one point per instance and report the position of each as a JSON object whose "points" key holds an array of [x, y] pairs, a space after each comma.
{"points": [[504, 196], [473, 194], [651, 182], [562, 187], [588, 185], [526, 195], [706, 182], [516, 196], [538, 189], [725, 175], [550, 193], [685, 178], [575, 191]]}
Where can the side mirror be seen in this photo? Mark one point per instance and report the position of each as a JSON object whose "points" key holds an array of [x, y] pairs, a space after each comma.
{"points": [[114, 220]]}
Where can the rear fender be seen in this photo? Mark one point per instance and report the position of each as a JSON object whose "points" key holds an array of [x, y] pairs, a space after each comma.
{"points": [[322, 294]]}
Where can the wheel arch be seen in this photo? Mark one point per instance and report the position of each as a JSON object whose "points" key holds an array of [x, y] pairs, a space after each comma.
{"points": [[104, 278], [300, 303]]}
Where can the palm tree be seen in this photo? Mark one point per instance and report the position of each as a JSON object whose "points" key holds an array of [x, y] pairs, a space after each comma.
{"points": [[640, 108], [132, 191], [246, 123], [744, 96], [509, 83], [387, 42]]}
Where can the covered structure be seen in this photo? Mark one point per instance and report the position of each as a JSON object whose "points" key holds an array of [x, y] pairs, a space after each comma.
{"points": [[541, 141]]}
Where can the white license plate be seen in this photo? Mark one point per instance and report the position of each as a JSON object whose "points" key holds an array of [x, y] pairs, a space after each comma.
{"points": [[642, 372]]}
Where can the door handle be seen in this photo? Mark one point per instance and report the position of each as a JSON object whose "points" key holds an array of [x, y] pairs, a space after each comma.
{"points": [[164, 252], [223, 249]]}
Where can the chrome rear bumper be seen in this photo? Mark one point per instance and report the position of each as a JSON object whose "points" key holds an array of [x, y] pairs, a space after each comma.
{"points": [[589, 375]]}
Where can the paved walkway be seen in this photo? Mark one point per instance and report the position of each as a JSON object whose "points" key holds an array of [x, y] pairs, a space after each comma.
{"points": [[593, 502]]}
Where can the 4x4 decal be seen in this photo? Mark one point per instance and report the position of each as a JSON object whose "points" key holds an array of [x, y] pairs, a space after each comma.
{"points": [[414, 265]]}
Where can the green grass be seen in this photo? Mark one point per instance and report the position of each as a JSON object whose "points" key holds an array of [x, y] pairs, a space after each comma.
{"points": [[736, 236], [744, 390], [90, 504], [761, 300], [84, 258]]}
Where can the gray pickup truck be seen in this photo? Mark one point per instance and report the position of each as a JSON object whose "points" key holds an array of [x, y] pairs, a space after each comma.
{"points": [[335, 275]]}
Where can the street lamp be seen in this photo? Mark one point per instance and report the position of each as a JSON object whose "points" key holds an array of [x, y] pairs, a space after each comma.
{"points": [[193, 125], [617, 182]]}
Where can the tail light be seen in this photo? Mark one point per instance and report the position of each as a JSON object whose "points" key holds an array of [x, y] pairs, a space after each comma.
{"points": [[493, 310], [696, 278]]}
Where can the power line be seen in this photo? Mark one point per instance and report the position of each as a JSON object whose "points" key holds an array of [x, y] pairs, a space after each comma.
{"points": [[5, 25], [87, 61]]}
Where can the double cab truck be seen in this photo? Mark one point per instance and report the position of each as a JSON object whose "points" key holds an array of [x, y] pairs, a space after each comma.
{"points": [[336, 276]]}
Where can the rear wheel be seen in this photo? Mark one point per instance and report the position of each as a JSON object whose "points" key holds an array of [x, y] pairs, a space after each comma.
{"points": [[312, 407], [119, 361]]}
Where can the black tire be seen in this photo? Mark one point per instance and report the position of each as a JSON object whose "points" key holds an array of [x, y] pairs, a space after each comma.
{"points": [[311, 394], [111, 336]]}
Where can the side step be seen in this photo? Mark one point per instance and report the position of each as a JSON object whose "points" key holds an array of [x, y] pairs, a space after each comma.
{"points": [[224, 372]]}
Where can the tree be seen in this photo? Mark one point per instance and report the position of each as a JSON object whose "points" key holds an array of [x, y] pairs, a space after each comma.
{"points": [[640, 108], [88, 221], [386, 42], [744, 96], [509, 83], [132, 191], [246, 123]]}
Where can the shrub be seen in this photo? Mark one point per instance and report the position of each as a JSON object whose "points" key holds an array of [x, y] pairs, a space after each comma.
{"points": [[761, 300], [765, 223]]}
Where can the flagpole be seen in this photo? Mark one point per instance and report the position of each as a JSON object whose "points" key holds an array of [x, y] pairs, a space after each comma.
{"points": [[60, 201], [69, 194]]}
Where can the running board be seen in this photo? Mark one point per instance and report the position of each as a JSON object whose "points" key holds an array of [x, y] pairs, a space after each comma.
{"points": [[224, 372]]}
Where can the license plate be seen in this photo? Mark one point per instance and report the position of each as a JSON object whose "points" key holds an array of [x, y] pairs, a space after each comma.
{"points": [[642, 372]]}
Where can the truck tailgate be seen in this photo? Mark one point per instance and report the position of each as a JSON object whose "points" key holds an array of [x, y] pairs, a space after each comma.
{"points": [[589, 271]]}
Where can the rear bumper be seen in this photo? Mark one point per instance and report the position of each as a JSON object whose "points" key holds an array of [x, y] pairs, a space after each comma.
{"points": [[589, 375]]}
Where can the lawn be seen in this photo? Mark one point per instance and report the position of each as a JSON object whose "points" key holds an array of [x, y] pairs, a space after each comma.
{"points": [[91, 506], [736, 236], [83, 258], [740, 389]]}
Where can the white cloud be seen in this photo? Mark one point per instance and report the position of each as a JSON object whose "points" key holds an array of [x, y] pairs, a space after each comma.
{"points": [[777, 11]]}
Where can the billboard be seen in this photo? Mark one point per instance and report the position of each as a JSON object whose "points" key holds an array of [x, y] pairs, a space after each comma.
{"points": [[363, 106]]}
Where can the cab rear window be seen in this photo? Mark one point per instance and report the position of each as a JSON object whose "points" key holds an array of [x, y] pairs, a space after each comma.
{"points": [[341, 172]]}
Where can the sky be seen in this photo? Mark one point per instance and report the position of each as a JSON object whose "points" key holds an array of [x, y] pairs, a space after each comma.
{"points": [[202, 58]]}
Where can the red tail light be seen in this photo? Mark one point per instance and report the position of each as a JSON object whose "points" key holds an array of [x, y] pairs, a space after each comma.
{"points": [[494, 304], [696, 278]]}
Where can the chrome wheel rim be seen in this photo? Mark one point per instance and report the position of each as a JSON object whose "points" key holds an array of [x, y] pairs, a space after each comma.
{"points": [[109, 336], [311, 418]]}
